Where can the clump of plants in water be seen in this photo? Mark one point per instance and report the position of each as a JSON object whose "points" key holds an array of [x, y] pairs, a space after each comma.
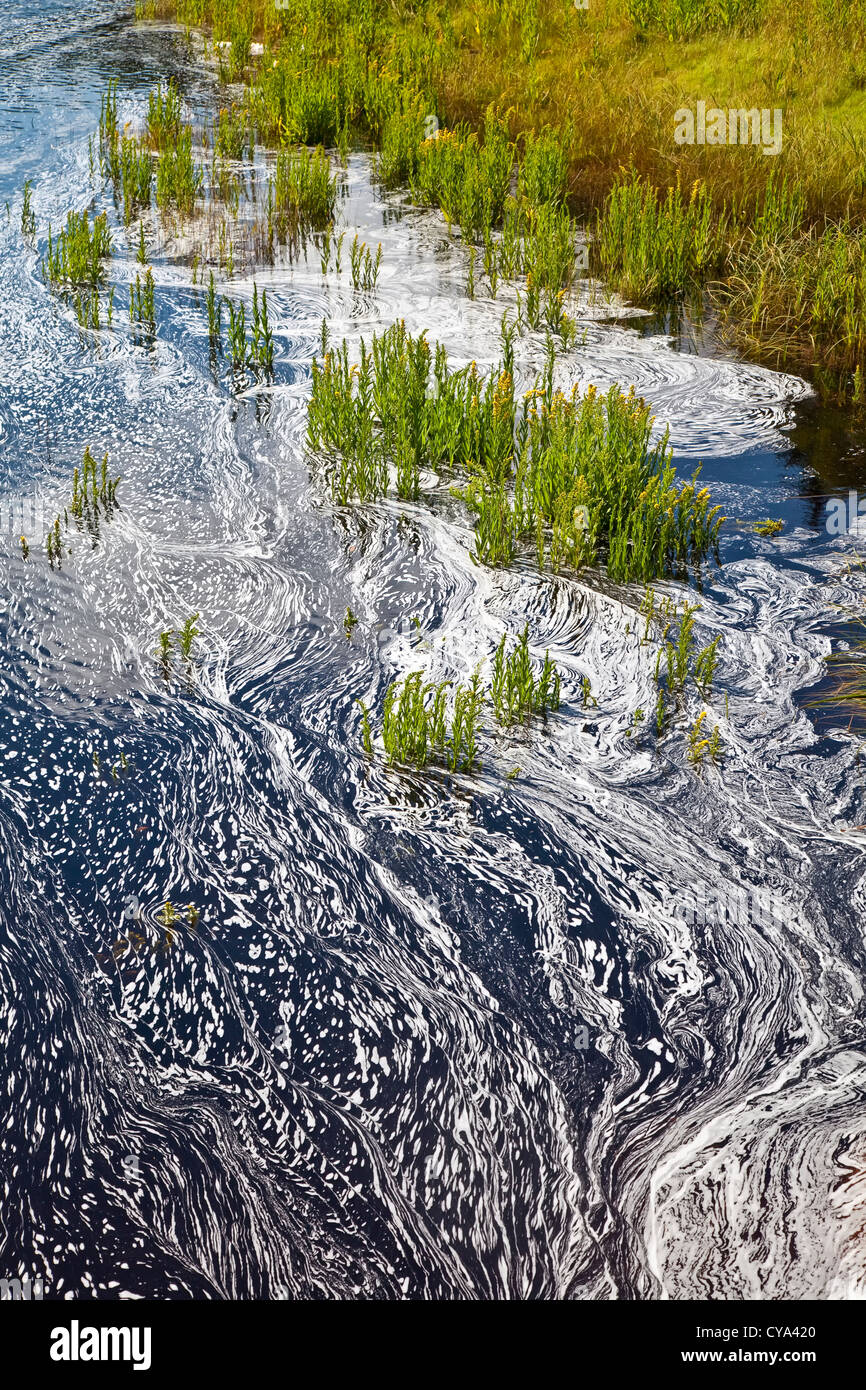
{"points": [[424, 722], [142, 305], [419, 728], [255, 349], [365, 266], [572, 479], [178, 641], [304, 191], [516, 690], [679, 661], [93, 501], [164, 119], [77, 254], [683, 19], [530, 236], [28, 217], [704, 743], [179, 180]]}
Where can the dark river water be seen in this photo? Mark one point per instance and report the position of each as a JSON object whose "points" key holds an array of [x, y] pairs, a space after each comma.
{"points": [[593, 1032]]}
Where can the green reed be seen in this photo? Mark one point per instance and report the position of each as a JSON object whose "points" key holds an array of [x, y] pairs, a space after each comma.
{"points": [[365, 267], [418, 728], [304, 190], [543, 175], [109, 131], [164, 120], [142, 303], [232, 136], [237, 334], [179, 179], [187, 636], [257, 350], [466, 176], [28, 219], [94, 491], [76, 255], [262, 339], [517, 690], [701, 744], [93, 500]]}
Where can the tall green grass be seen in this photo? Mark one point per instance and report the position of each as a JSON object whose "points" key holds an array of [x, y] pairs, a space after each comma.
{"points": [[179, 179], [304, 190], [652, 245], [517, 690], [683, 19], [425, 722]]}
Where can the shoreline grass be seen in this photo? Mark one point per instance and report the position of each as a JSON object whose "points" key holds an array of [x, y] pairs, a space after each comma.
{"points": [[598, 88]]}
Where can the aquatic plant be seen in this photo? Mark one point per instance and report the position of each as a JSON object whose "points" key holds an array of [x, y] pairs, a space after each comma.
{"points": [[187, 636], [652, 245], [466, 176], [516, 690], [261, 353], [384, 77], [163, 116], [576, 479], [142, 305], [232, 135], [365, 268], [304, 191], [769, 527], [93, 501], [179, 179], [366, 729], [683, 19], [76, 255], [705, 665], [237, 334], [28, 219], [701, 745], [166, 642], [415, 722]]}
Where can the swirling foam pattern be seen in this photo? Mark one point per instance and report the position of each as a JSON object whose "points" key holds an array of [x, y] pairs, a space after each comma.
{"points": [[424, 1039]]}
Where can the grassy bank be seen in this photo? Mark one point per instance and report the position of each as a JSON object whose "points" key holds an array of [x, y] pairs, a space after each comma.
{"points": [[780, 236]]}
